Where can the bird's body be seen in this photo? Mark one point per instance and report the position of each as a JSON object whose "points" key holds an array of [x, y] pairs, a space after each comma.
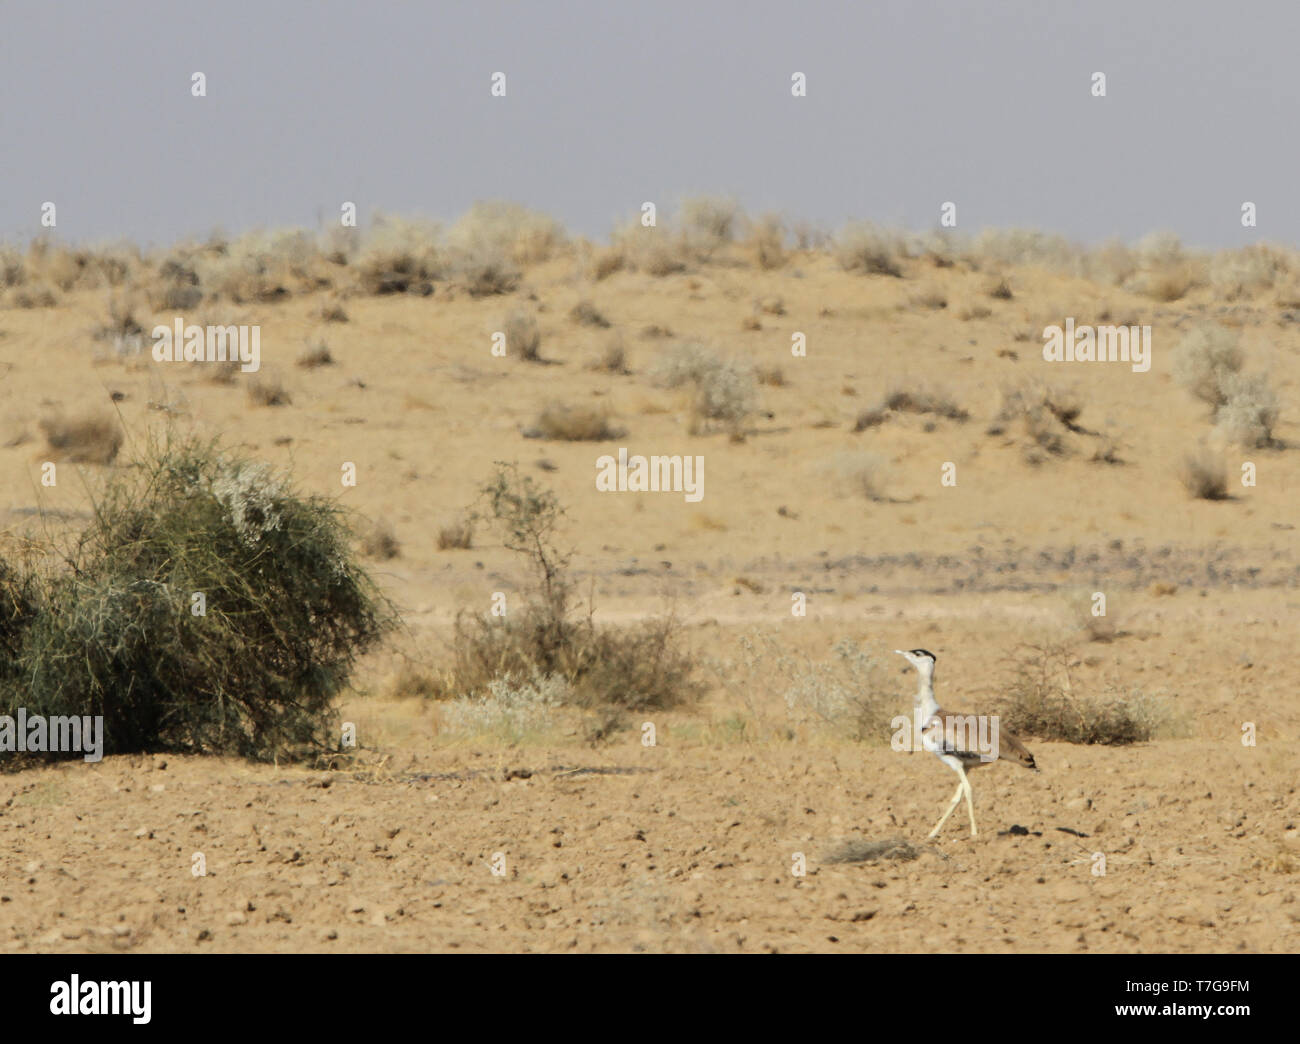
{"points": [[961, 741]]}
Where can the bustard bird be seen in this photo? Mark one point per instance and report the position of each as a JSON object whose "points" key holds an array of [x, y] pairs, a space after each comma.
{"points": [[951, 736]]}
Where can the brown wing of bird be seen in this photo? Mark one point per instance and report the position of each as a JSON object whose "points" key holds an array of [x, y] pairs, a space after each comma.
{"points": [[946, 728]]}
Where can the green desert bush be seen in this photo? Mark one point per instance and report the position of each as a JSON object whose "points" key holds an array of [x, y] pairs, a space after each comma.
{"points": [[117, 630]]}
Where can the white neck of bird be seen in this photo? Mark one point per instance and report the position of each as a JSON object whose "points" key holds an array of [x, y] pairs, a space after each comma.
{"points": [[925, 695]]}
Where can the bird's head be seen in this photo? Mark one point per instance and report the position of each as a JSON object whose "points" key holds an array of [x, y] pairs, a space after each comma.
{"points": [[922, 659]]}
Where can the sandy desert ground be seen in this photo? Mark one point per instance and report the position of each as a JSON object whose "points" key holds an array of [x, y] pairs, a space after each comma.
{"points": [[689, 845]]}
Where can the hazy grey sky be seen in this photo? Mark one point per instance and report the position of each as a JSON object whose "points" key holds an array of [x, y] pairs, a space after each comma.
{"points": [[611, 103]]}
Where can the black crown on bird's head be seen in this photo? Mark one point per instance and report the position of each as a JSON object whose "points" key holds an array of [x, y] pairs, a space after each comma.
{"points": [[925, 652]]}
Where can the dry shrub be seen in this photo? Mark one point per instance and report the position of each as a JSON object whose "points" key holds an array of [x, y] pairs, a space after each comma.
{"points": [[861, 475], [1001, 291], [13, 269], [1204, 475], [1208, 364], [849, 694], [123, 330], [94, 437], [457, 535], [1040, 702], [380, 541], [995, 247], [1244, 273], [508, 231], [332, 312], [1165, 272], [1111, 264], [724, 392], [223, 372], [584, 313], [1081, 610], [266, 390], [613, 357], [931, 297], [707, 223], [176, 287], [656, 250], [316, 356], [863, 247], [264, 267], [523, 336], [576, 423], [399, 257], [485, 274], [766, 242], [918, 399], [643, 667], [411, 680], [924, 399], [1249, 413], [606, 262], [1041, 414], [33, 295], [1206, 357]]}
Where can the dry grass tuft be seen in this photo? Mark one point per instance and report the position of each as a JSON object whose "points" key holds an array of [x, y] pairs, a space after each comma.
{"points": [[576, 423], [863, 247], [89, 438], [766, 242], [1204, 475], [266, 390], [584, 313], [457, 535], [1041, 703], [724, 392], [1205, 359], [612, 358], [316, 356], [380, 542], [523, 337]]}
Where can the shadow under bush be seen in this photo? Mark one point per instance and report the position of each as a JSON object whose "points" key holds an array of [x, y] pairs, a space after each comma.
{"points": [[117, 632]]}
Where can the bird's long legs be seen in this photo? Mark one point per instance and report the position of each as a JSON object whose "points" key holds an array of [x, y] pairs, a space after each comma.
{"points": [[963, 789]]}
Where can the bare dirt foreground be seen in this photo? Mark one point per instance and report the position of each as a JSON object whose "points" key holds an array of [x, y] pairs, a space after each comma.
{"points": [[657, 849]]}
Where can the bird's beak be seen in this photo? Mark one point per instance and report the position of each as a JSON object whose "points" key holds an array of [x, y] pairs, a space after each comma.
{"points": [[900, 652]]}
